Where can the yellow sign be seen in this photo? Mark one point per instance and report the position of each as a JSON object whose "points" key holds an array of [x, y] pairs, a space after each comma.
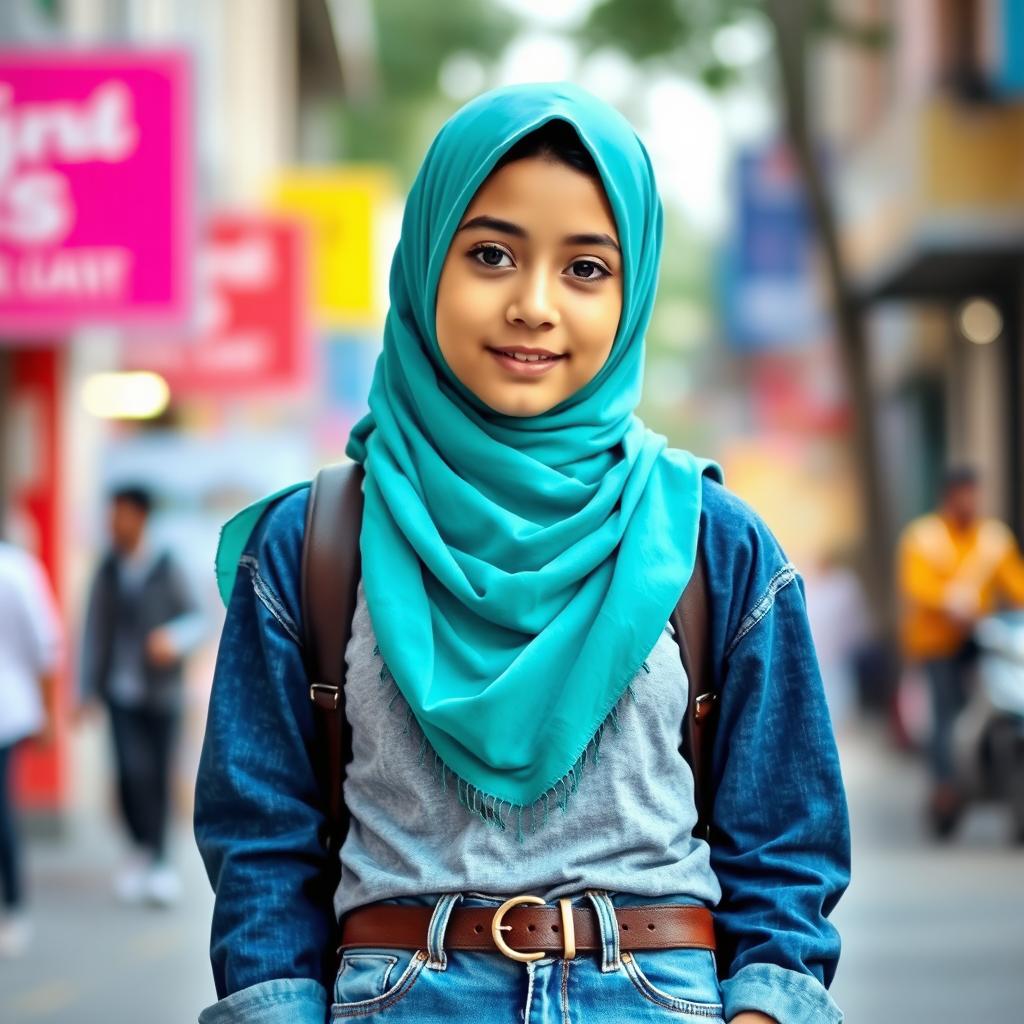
{"points": [[342, 209]]}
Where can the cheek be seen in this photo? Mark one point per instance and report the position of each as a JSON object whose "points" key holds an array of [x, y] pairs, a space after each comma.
{"points": [[595, 326], [461, 313]]}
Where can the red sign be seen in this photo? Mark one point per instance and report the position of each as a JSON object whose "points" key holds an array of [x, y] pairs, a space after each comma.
{"points": [[251, 331], [37, 494], [95, 189]]}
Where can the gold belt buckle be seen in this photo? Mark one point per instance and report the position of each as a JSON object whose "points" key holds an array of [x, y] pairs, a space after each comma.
{"points": [[568, 929]]}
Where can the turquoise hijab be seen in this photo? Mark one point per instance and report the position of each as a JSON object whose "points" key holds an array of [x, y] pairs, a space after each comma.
{"points": [[517, 571]]}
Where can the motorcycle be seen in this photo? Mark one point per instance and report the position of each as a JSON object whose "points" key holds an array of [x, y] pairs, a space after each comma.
{"points": [[988, 738]]}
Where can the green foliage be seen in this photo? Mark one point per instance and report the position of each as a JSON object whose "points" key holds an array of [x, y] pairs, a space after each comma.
{"points": [[659, 29], [680, 32], [718, 77], [870, 35], [673, 30], [414, 40]]}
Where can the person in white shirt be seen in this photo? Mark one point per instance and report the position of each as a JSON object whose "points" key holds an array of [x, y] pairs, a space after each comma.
{"points": [[30, 648]]}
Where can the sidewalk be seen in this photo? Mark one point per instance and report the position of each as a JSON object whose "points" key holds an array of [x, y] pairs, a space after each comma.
{"points": [[93, 960], [930, 932]]}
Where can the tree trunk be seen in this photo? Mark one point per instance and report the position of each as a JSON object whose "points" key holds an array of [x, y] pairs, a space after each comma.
{"points": [[790, 21]]}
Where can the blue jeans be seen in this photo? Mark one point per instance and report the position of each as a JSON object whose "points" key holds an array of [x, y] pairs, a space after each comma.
{"points": [[144, 749], [435, 986], [10, 861], [948, 683]]}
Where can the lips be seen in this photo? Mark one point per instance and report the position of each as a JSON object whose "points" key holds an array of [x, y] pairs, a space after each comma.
{"points": [[525, 362], [526, 353]]}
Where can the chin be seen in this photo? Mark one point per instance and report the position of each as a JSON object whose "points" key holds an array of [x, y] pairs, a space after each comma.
{"points": [[521, 405]]}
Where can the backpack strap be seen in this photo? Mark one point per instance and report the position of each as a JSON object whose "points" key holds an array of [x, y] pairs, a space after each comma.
{"points": [[330, 582], [691, 622]]}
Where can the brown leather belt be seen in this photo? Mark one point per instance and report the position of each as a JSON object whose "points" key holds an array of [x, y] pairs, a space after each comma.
{"points": [[530, 932]]}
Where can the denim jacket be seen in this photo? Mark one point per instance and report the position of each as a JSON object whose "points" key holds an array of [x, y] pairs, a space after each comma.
{"points": [[781, 850]]}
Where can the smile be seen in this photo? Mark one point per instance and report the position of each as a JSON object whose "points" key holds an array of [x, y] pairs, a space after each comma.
{"points": [[525, 363]]}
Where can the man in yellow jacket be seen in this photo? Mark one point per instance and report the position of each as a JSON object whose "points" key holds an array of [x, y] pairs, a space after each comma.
{"points": [[954, 568]]}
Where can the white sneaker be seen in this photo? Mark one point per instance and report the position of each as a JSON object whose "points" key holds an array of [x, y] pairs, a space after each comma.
{"points": [[131, 881], [15, 935], [163, 885]]}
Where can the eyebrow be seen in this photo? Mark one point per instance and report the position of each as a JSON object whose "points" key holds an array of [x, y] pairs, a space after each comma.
{"points": [[506, 227]]}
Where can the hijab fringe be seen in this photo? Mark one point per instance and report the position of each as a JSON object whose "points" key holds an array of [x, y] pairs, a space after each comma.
{"points": [[495, 811]]}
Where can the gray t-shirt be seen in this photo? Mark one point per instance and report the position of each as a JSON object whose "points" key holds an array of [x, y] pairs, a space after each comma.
{"points": [[627, 828]]}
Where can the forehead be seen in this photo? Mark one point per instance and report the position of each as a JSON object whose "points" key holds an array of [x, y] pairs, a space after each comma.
{"points": [[125, 505], [545, 196]]}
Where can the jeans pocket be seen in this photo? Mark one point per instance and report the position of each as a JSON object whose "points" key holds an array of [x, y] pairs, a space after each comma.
{"points": [[682, 980], [372, 980]]}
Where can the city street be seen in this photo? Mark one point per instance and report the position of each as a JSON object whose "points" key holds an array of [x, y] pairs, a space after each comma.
{"points": [[529, 271], [93, 960], [931, 934]]}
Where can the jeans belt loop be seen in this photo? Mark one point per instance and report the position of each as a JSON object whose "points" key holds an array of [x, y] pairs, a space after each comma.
{"points": [[437, 959], [605, 911]]}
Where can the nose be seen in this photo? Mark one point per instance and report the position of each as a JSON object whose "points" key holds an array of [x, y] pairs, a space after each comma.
{"points": [[533, 305]]}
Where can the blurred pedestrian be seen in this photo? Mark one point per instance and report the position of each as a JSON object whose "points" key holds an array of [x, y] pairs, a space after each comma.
{"points": [[30, 646], [525, 541], [954, 567], [141, 623]]}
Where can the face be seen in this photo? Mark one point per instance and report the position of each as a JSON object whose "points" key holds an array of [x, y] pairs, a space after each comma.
{"points": [[963, 503], [531, 291], [127, 523]]}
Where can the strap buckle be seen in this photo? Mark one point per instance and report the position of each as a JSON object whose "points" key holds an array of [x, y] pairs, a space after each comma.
{"points": [[568, 929], [324, 696], [704, 704], [497, 928]]}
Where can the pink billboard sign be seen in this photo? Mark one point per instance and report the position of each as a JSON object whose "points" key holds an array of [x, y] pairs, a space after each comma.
{"points": [[96, 189]]}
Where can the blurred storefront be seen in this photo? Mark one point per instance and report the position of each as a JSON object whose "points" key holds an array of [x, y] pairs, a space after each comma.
{"points": [[162, 239], [77, 129], [930, 132], [790, 457]]}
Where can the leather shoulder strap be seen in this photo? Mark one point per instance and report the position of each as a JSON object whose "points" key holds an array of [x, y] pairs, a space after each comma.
{"points": [[330, 581], [691, 621]]}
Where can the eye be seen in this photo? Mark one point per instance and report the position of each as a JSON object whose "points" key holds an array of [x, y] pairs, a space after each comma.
{"points": [[491, 256], [588, 270]]}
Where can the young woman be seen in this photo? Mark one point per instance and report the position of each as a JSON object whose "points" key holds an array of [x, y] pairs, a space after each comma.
{"points": [[514, 690]]}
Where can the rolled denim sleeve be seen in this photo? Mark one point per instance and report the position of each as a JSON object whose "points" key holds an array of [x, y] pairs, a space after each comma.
{"points": [[259, 813], [781, 838], [286, 1001]]}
